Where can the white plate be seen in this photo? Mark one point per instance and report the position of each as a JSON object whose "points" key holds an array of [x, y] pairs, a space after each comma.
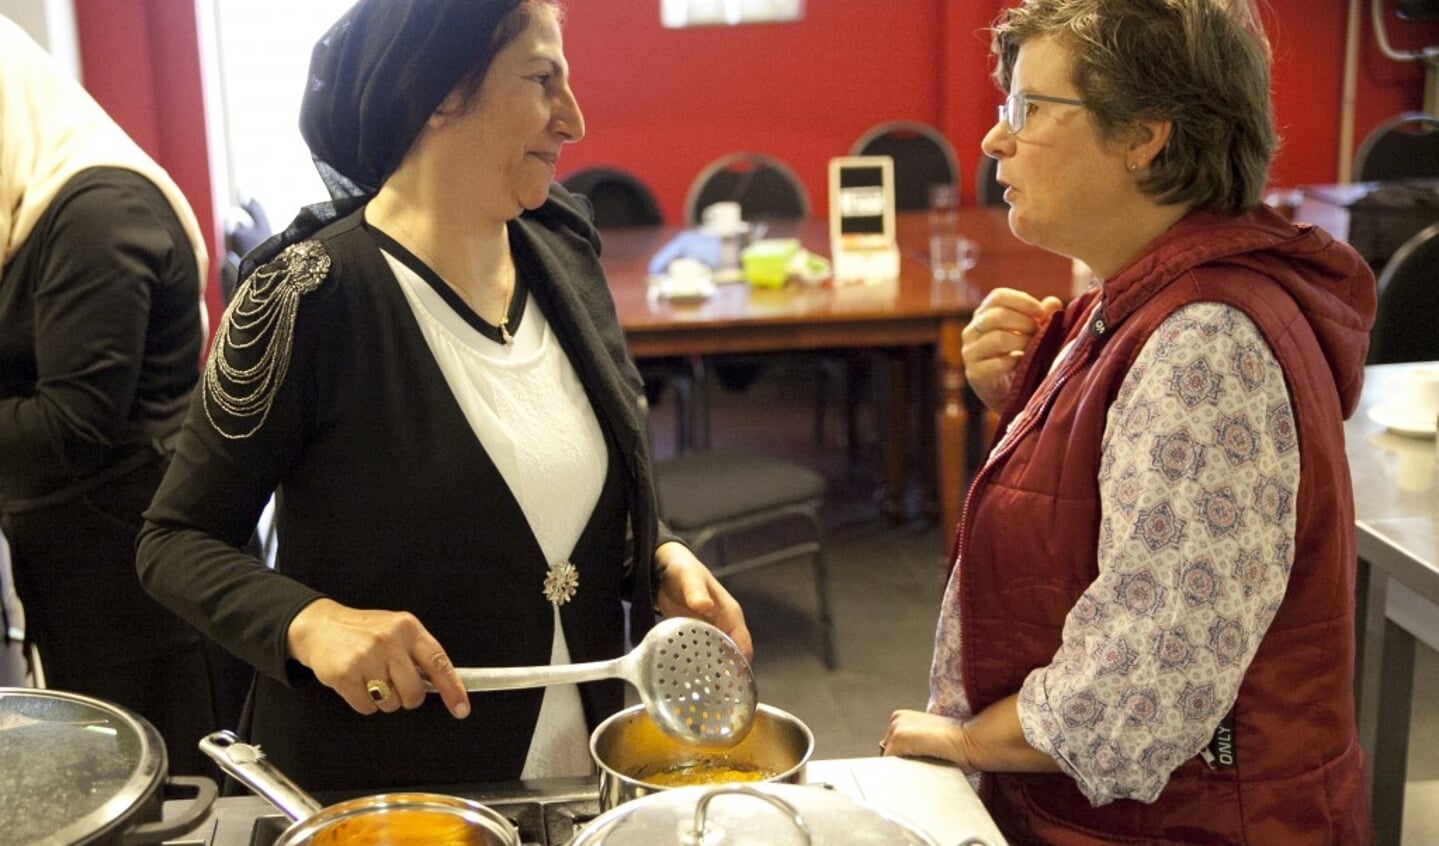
{"points": [[1401, 421], [681, 289]]}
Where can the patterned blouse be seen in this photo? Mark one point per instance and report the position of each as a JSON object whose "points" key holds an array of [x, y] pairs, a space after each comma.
{"points": [[1197, 483]]}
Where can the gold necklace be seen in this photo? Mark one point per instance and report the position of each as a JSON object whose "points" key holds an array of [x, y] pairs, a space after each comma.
{"points": [[508, 269]]}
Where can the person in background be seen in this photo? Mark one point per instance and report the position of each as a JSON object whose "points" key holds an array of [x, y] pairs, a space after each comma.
{"points": [[1171, 661], [430, 370], [101, 334]]}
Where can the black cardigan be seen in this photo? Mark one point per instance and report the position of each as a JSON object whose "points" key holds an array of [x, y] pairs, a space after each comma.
{"points": [[387, 500]]}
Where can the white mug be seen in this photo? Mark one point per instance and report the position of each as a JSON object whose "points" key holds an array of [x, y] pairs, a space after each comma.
{"points": [[723, 218], [1418, 394]]}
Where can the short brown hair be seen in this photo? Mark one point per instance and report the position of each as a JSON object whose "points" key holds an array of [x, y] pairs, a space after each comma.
{"points": [[1201, 64]]}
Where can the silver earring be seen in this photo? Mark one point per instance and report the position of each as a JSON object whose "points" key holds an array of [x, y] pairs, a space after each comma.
{"points": [[1133, 167]]}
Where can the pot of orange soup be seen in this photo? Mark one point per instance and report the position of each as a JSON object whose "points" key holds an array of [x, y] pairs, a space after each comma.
{"points": [[636, 758], [390, 819]]}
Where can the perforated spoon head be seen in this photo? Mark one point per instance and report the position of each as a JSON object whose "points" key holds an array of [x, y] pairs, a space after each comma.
{"points": [[695, 682]]}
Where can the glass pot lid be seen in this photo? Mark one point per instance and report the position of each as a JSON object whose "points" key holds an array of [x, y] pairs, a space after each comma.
{"points": [[748, 813], [74, 765]]}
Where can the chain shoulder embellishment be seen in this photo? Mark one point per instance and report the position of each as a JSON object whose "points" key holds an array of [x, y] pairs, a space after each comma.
{"points": [[251, 352]]}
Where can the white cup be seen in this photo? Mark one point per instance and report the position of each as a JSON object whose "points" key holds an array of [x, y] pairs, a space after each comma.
{"points": [[1414, 463], [722, 218], [950, 256], [1418, 395]]}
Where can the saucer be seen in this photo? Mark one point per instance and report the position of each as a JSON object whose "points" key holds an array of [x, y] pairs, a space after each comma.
{"points": [[1402, 421], [682, 289]]}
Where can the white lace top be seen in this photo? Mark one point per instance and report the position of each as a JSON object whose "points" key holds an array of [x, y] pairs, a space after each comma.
{"points": [[527, 406]]}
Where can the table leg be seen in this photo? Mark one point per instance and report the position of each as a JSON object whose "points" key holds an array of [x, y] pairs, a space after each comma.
{"points": [[1384, 688], [927, 422], [1371, 594], [1389, 763], [952, 423], [895, 449]]}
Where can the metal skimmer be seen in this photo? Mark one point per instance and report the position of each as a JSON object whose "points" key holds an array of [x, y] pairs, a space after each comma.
{"points": [[693, 680]]}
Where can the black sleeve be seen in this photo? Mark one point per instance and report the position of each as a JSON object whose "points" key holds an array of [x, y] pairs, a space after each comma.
{"points": [[228, 463], [103, 252]]}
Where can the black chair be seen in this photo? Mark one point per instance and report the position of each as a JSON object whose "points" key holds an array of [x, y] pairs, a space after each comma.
{"points": [[922, 157], [713, 497], [765, 188], [987, 190], [246, 227], [1405, 146], [618, 197], [1404, 327]]}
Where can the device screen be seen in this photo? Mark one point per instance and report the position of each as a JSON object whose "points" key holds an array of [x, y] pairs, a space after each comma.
{"points": [[861, 200]]}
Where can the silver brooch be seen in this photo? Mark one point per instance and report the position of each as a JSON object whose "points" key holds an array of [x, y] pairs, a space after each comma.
{"points": [[561, 582]]}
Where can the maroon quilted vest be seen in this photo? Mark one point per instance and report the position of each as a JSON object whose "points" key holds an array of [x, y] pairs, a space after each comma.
{"points": [[1030, 531]]}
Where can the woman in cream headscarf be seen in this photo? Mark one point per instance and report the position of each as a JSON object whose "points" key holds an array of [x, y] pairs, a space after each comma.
{"points": [[101, 330]]}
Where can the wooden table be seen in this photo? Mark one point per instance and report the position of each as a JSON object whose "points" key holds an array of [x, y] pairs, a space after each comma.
{"points": [[1396, 496], [906, 314]]}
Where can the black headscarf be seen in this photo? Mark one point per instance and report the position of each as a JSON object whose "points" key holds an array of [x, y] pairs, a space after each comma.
{"points": [[375, 77]]}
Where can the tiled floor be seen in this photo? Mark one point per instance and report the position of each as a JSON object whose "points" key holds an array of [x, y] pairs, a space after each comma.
{"points": [[885, 585]]}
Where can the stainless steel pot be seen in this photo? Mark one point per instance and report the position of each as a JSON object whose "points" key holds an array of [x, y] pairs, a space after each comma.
{"points": [[78, 770], [393, 819], [629, 747], [748, 813]]}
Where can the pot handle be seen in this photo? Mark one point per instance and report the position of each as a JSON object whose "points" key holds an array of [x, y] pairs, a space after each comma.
{"points": [[248, 765], [157, 832], [696, 835]]}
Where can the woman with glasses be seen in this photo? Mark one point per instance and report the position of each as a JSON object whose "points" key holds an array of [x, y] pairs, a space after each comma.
{"points": [[1171, 659]]}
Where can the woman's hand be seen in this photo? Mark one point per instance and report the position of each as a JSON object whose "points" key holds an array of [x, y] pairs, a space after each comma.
{"points": [[916, 734], [347, 648], [995, 338], [688, 589]]}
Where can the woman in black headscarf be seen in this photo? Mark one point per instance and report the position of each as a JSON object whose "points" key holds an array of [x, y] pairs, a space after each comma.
{"points": [[102, 266], [430, 371]]}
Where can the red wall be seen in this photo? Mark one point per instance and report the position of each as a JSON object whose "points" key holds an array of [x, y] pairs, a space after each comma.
{"points": [[141, 61], [663, 103]]}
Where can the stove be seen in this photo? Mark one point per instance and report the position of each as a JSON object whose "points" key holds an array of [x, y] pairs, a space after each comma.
{"points": [[546, 812]]}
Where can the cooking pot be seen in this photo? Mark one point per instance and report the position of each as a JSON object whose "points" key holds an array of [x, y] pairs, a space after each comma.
{"points": [[749, 813], [392, 819], [80, 770], [629, 747]]}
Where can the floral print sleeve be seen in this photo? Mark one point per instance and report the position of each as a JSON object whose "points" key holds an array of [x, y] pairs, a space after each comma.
{"points": [[1197, 484]]}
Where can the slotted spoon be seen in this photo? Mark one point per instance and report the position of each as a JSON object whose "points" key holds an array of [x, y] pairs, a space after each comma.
{"points": [[694, 681]]}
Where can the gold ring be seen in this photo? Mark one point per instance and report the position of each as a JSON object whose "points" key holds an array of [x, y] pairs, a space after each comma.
{"points": [[379, 690]]}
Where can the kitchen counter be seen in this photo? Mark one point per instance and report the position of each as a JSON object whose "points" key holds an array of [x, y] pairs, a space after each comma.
{"points": [[933, 797]]}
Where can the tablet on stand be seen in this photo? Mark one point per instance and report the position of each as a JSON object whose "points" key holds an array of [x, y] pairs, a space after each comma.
{"points": [[861, 219]]}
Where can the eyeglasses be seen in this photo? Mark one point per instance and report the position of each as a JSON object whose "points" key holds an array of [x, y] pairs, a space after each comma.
{"points": [[1014, 111]]}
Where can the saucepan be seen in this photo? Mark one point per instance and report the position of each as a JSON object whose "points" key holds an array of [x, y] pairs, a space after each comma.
{"points": [[636, 758], [392, 819]]}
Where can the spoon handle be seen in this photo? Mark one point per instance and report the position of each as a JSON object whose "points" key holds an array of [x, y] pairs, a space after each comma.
{"points": [[514, 678]]}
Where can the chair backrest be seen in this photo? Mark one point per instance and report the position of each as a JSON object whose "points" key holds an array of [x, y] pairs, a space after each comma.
{"points": [[1405, 146], [246, 227], [765, 188], [1404, 327], [922, 157], [618, 197], [987, 190]]}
